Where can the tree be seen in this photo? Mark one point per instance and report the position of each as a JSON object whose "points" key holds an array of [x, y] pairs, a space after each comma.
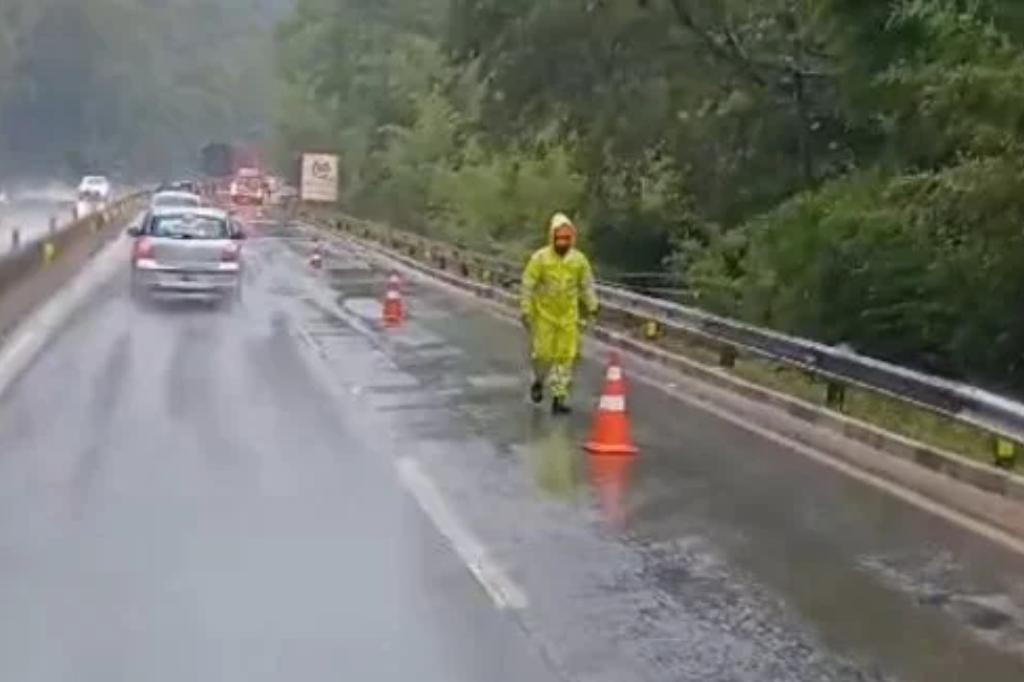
{"points": [[101, 84], [844, 169]]}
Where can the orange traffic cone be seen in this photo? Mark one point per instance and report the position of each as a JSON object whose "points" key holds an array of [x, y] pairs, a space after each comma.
{"points": [[393, 311], [610, 434], [316, 259]]}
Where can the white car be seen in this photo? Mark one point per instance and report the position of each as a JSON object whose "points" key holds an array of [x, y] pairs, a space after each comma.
{"points": [[94, 186], [93, 195], [175, 199]]}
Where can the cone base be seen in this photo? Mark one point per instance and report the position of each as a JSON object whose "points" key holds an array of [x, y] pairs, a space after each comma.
{"points": [[610, 449], [392, 314]]}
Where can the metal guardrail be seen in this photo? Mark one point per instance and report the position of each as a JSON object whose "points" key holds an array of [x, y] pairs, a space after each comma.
{"points": [[1003, 418], [964, 402]]}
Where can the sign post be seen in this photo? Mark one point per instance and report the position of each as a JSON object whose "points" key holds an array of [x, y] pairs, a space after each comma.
{"points": [[319, 181]]}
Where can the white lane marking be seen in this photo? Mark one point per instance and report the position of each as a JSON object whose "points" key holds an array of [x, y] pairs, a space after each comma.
{"points": [[31, 337], [503, 591]]}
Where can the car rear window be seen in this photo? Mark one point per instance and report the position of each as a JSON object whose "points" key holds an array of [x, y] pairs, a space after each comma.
{"points": [[189, 227], [176, 200]]}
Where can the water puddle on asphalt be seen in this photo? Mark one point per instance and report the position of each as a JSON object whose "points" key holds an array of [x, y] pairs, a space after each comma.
{"points": [[997, 619]]}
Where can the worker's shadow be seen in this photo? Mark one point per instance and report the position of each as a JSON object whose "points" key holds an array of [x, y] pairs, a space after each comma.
{"points": [[559, 470], [553, 456]]}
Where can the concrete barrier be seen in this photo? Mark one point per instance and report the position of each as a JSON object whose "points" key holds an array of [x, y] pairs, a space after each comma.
{"points": [[32, 271], [25, 258]]}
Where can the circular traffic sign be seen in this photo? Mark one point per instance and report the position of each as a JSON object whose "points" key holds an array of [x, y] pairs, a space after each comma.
{"points": [[322, 170]]}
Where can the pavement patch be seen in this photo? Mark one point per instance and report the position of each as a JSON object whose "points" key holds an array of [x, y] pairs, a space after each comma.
{"points": [[497, 382]]}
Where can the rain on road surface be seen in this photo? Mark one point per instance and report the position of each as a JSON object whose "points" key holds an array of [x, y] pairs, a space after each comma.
{"points": [[232, 495]]}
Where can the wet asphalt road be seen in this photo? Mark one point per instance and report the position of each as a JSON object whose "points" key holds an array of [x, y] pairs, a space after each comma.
{"points": [[184, 495], [212, 495], [31, 218]]}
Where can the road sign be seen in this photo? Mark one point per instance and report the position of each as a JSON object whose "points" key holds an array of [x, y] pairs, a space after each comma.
{"points": [[319, 178]]}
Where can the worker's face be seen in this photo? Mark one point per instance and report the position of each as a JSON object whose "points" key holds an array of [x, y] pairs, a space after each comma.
{"points": [[562, 242]]}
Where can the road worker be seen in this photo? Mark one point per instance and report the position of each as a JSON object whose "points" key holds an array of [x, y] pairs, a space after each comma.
{"points": [[557, 299]]}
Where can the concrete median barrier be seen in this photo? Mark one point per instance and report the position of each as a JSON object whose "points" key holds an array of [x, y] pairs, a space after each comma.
{"points": [[32, 271]]}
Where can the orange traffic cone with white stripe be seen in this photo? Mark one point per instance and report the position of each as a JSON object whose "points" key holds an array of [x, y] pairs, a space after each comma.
{"points": [[393, 309], [610, 434]]}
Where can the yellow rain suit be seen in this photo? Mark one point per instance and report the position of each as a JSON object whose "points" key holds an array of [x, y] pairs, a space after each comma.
{"points": [[555, 290]]}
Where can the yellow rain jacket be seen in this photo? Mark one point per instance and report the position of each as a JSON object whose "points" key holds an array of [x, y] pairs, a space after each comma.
{"points": [[554, 290]]}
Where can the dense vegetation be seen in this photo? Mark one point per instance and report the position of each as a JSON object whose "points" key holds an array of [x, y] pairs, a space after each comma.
{"points": [[129, 85], [849, 170]]}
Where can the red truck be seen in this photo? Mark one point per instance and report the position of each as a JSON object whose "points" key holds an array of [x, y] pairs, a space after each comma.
{"points": [[248, 188], [234, 174]]}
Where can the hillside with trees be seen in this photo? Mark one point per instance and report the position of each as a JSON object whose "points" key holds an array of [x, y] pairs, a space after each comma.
{"points": [[130, 85], [847, 170]]}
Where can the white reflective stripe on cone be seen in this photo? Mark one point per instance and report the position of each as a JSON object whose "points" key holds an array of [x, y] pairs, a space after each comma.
{"points": [[612, 403], [392, 295], [614, 373]]}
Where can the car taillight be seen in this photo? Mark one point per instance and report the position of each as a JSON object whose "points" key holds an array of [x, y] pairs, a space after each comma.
{"points": [[143, 248], [230, 253]]}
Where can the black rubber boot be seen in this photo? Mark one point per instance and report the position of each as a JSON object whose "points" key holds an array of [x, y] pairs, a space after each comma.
{"points": [[537, 391], [560, 406]]}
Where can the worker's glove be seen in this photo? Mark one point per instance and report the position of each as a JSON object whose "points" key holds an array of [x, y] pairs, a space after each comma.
{"points": [[524, 320]]}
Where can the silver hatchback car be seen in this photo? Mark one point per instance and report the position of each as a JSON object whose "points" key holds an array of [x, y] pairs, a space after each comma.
{"points": [[187, 252]]}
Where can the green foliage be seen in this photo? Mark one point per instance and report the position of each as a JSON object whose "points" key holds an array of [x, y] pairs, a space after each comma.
{"points": [[844, 169], [123, 85]]}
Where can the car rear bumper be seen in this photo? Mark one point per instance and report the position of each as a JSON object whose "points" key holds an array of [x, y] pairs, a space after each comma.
{"points": [[169, 281]]}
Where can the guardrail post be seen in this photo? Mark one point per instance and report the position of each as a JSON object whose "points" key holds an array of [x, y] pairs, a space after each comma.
{"points": [[727, 357], [53, 224], [49, 252], [835, 395], [15, 239], [1004, 453]]}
